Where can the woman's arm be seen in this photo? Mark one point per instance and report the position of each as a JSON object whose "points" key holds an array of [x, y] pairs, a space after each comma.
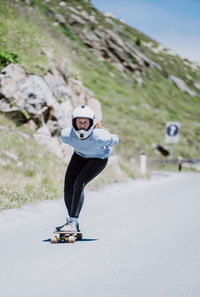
{"points": [[65, 135], [114, 140], [105, 138]]}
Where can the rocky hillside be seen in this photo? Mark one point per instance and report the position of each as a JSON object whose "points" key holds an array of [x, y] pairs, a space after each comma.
{"points": [[55, 55]]}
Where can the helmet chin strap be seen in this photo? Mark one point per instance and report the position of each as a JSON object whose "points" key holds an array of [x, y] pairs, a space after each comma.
{"points": [[83, 134], [84, 138]]}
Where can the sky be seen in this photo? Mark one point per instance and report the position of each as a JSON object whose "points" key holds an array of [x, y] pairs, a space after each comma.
{"points": [[173, 23]]}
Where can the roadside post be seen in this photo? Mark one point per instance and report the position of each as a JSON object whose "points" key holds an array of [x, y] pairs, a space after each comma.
{"points": [[143, 161], [180, 163], [172, 135]]}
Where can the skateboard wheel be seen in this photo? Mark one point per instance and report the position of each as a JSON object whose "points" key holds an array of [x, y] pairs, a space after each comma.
{"points": [[71, 239], [53, 239], [79, 236]]}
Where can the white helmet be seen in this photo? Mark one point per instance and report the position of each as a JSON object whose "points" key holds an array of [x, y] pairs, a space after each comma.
{"points": [[83, 111]]}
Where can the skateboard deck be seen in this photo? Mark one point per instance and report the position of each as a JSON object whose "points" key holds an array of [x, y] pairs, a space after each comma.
{"points": [[70, 237]]}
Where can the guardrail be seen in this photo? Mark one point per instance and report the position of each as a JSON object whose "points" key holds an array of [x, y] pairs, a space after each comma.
{"points": [[175, 161]]}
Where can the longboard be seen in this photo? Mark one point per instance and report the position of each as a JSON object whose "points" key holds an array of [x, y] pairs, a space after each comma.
{"points": [[70, 237]]}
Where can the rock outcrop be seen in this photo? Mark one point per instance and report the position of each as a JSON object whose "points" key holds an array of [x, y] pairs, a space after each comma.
{"points": [[111, 45], [43, 104], [197, 86], [180, 84]]}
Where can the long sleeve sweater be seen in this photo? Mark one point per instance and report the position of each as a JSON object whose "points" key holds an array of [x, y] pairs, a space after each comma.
{"points": [[95, 146]]}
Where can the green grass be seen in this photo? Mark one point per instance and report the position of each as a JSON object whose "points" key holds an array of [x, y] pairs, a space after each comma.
{"points": [[35, 174], [138, 115], [23, 36]]}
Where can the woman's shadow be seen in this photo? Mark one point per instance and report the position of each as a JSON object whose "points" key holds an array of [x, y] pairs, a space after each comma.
{"points": [[82, 240]]}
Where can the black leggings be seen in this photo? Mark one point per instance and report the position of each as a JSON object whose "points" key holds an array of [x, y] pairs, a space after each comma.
{"points": [[79, 172]]}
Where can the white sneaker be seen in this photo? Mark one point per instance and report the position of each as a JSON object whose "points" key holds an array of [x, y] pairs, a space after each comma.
{"points": [[69, 227], [60, 227]]}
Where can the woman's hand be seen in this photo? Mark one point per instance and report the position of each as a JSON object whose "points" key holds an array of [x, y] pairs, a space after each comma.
{"points": [[98, 125]]}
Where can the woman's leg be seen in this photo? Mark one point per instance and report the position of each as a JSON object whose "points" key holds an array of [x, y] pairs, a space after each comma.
{"points": [[73, 170], [91, 169]]}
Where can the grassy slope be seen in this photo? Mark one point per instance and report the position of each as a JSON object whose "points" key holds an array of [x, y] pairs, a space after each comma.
{"points": [[137, 114], [32, 173]]}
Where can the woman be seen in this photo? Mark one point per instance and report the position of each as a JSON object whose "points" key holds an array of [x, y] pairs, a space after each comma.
{"points": [[91, 151]]}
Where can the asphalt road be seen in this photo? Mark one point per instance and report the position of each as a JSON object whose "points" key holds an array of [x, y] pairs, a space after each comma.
{"points": [[141, 239]]}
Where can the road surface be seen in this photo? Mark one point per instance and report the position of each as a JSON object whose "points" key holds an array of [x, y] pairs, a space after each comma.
{"points": [[141, 239]]}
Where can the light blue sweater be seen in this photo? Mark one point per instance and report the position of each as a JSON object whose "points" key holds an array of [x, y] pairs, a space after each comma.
{"points": [[95, 146]]}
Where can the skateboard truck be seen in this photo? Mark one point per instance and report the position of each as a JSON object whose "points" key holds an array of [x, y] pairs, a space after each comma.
{"points": [[70, 237]]}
